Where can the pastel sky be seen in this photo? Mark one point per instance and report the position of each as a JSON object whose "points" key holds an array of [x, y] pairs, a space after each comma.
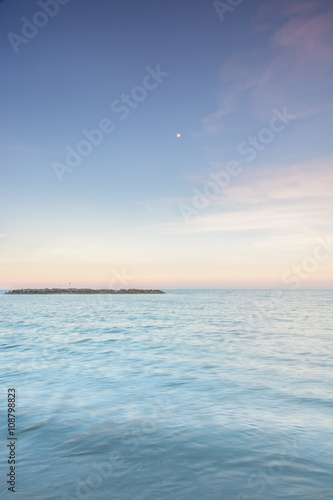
{"points": [[241, 199]]}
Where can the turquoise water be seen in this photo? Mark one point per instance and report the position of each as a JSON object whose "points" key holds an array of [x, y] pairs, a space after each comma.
{"points": [[187, 395]]}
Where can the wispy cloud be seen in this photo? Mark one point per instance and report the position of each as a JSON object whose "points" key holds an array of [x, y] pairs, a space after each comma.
{"points": [[271, 10], [309, 37], [309, 181], [294, 199], [278, 217], [296, 58]]}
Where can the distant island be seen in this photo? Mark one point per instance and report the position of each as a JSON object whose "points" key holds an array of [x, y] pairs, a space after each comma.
{"points": [[45, 291]]}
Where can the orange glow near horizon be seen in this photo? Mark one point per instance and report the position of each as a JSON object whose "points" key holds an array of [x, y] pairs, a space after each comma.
{"points": [[166, 275]]}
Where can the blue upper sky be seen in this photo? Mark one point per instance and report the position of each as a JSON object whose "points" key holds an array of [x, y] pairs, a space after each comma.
{"points": [[245, 82]]}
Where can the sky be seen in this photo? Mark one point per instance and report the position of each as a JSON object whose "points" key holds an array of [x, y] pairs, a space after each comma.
{"points": [[166, 144]]}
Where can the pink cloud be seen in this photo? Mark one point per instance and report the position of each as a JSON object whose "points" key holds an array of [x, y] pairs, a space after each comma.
{"points": [[290, 69], [301, 8], [309, 181], [308, 36], [294, 199], [271, 9]]}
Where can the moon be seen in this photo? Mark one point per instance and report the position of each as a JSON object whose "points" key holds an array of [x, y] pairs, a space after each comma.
{"points": [[178, 135]]}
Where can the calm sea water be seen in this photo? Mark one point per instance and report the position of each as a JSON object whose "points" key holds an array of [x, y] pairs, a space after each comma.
{"points": [[188, 395]]}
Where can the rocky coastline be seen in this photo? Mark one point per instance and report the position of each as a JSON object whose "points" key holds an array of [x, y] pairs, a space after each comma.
{"points": [[47, 291]]}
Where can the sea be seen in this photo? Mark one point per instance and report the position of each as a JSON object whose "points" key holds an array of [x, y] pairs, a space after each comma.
{"points": [[189, 395]]}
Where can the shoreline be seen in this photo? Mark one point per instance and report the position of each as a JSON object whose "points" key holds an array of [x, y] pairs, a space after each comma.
{"points": [[49, 291]]}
